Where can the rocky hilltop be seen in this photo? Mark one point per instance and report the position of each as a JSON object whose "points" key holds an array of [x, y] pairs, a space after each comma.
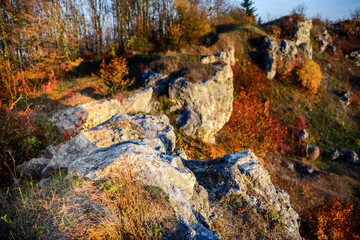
{"points": [[111, 138]]}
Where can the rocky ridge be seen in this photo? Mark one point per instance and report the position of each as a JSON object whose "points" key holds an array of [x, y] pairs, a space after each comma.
{"points": [[146, 143]]}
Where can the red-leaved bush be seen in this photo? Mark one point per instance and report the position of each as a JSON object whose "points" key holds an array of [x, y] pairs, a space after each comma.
{"points": [[18, 138], [251, 124]]}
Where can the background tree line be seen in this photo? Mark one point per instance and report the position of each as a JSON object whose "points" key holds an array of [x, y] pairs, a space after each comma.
{"points": [[42, 39]]}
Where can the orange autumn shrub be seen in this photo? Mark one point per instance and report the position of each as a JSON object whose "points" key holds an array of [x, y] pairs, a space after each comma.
{"points": [[13, 83], [309, 76], [114, 74], [333, 219]]}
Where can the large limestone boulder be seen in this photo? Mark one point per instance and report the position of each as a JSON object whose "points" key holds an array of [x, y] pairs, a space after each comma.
{"points": [[207, 103], [302, 31], [269, 50], [96, 112], [242, 173]]}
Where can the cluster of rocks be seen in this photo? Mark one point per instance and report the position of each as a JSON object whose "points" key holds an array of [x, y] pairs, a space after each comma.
{"points": [[282, 54], [325, 41], [146, 144], [349, 156], [355, 56], [309, 151]]}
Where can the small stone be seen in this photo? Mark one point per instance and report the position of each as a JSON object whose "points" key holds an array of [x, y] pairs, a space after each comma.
{"points": [[309, 170], [335, 154], [312, 152], [303, 134], [346, 98], [351, 156], [208, 59], [290, 166]]}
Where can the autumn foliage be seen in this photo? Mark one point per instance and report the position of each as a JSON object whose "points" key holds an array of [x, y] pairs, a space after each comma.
{"points": [[114, 74], [189, 28], [333, 219], [18, 138], [309, 76], [251, 124]]}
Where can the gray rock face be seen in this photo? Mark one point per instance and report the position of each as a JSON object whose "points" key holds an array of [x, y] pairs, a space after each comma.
{"points": [[209, 101], [96, 112], [146, 145], [228, 56], [306, 49], [32, 168], [208, 59], [269, 49], [347, 97], [302, 32], [288, 51], [157, 81], [234, 173], [190, 123]]}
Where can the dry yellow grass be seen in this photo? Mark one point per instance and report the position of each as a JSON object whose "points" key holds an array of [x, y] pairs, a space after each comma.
{"points": [[77, 208]]}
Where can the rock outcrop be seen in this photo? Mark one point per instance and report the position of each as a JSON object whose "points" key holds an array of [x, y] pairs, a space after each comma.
{"points": [[347, 97], [207, 103], [325, 41], [355, 56], [302, 31], [238, 172], [96, 112], [269, 53], [146, 145], [159, 82], [282, 54]]}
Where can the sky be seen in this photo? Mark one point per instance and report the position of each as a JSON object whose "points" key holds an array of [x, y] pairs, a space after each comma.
{"points": [[330, 9]]}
